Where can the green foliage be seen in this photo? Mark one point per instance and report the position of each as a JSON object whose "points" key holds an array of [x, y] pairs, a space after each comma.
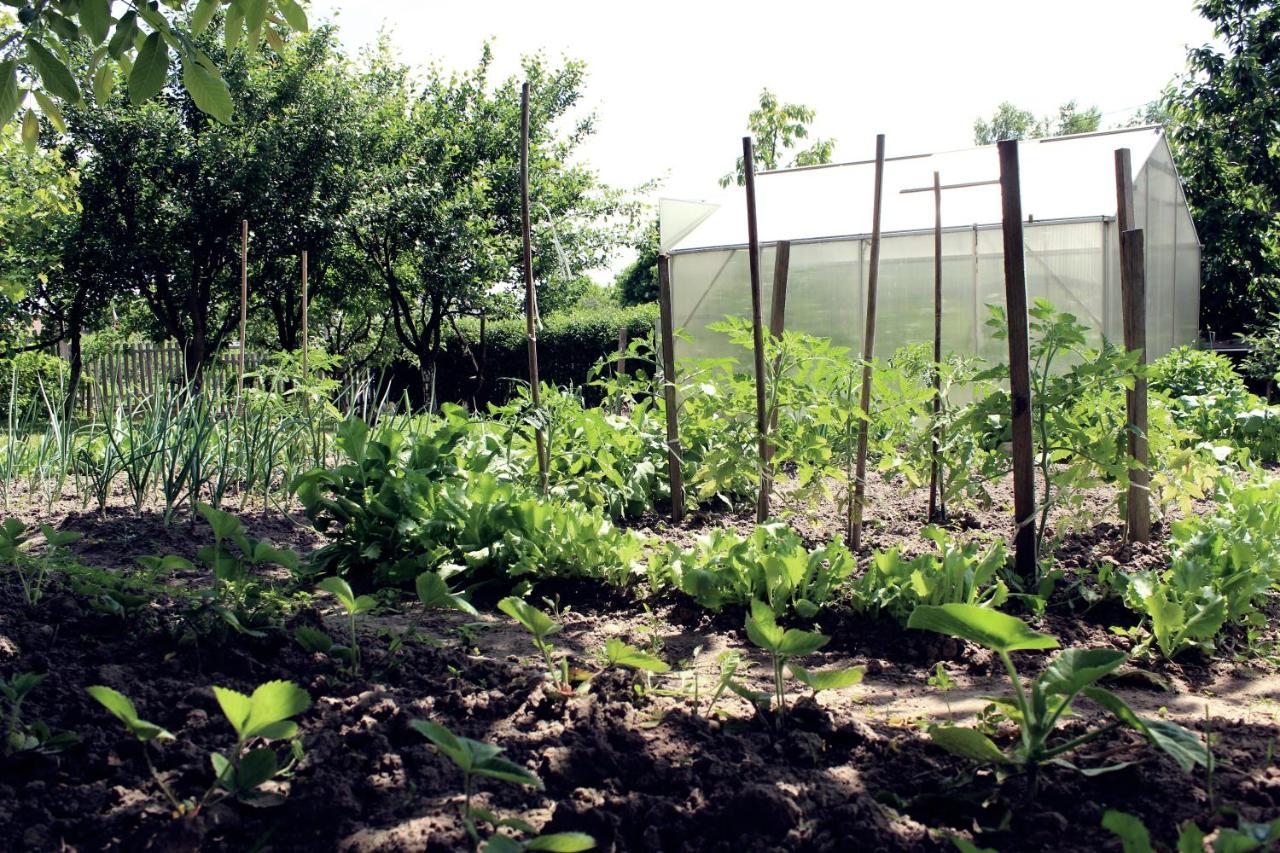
{"points": [[34, 571], [264, 715], [1010, 122], [476, 758], [618, 653], [1223, 564], [1245, 837], [20, 735], [1038, 709], [637, 284], [54, 38], [27, 380], [956, 573], [776, 128], [123, 709], [782, 645], [541, 627], [354, 605], [1222, 111], [1188, 372], [771, 565]]}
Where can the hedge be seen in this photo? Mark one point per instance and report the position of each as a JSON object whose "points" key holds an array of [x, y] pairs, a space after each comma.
{"points": [[569, 345], [32, 368]]}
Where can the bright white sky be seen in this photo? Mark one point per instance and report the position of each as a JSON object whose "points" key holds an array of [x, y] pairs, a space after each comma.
{"points": [[672, 82]]}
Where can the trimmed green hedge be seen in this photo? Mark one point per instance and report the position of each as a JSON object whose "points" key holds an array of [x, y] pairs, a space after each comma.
{"points": [[569, 345], [32, 368]]}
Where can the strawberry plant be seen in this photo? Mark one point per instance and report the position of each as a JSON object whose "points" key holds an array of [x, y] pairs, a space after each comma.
{"points": [[33, 570], [1037, 708], [124, 710], [20, 735], [478, 759]]}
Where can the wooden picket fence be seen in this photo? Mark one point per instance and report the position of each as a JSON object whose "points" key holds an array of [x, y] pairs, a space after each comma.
{"points": [[128, 372]]}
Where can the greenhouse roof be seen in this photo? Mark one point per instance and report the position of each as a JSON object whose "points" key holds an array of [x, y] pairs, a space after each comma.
{"points": [[1067, 177]]}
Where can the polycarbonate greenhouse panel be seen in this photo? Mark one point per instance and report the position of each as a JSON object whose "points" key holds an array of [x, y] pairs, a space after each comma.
{"points": [[1071, 241]]}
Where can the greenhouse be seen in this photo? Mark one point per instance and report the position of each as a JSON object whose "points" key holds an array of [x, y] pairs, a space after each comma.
{"points": [[1072, 245]]}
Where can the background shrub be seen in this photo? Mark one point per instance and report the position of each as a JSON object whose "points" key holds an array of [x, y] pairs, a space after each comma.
{"points": [[31, 369], [569, 345], [1187, 372]]}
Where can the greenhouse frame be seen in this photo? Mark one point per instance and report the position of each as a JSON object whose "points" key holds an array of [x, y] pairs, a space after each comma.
{"points": [[1070, 233]]}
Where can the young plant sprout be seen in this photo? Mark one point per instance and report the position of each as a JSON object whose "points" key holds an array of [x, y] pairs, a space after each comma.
{"points": [[1037, 708], [782, 645], [123, 709], [354, 605], [541, 626], [27, 737], [476, 758]]}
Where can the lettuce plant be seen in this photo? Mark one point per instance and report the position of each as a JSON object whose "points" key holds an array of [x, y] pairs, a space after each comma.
{"points": [[476, 758], [783, 645], [1038, 707]]}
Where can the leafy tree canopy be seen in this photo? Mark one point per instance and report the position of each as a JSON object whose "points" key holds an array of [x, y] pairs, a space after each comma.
{"points": [[777, 129], [1224, 114], [1012, 122]]}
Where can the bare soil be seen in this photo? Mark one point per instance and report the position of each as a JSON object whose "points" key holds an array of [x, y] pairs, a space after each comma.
{"points": [[641, 763]]}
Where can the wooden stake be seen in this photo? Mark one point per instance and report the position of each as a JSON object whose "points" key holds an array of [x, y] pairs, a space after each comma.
{"points": [[937, 503], [669, 388], [777, 317], [1124, 191], [1133, 286], [757, 329], [531, 296], [244, 298], [856, 506], [1015, 287], [304, 316]]}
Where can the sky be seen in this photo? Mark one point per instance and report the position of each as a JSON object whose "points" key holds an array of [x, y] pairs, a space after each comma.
{"points": [[672, 82]]}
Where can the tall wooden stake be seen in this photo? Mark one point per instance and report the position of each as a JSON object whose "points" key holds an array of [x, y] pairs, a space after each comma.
{"points": [[937, 502], [1015, 288], [669, 388], [244, 298], [1133, 307], [757, 330], [856, 506], [530, 295], [304, 316], [777, 319]]}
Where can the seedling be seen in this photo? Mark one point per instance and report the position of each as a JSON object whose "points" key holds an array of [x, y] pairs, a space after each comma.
{"points": [[354, 605], [476, 758], [941, 681], [33, 570], [782, 645], [618, 653], [28, 737], [120, 705], [1038, 710], [263, 716], [1246, 836], [541, 626]]}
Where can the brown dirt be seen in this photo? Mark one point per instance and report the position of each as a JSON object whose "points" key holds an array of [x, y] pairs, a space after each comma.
{"points": [[636, 762]]}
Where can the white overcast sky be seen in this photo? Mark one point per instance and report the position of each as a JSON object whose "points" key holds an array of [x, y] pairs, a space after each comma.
{"points": [[672, 82]]}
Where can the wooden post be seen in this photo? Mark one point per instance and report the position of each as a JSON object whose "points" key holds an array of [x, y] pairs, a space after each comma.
{"points": [[868, 352], [669, 388], [757, 329], [1015, 288], [1133, 286], [620, 366], [530, 295], [1133, 308], [304, 315], [937, 502], [244, 298]]}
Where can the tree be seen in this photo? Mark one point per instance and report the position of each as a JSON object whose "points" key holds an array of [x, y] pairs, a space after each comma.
{"points": [[1223, 117], [165, 188], [776, 128], [438, 222], [638, 282], [1011, 122], [37, 50]]}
